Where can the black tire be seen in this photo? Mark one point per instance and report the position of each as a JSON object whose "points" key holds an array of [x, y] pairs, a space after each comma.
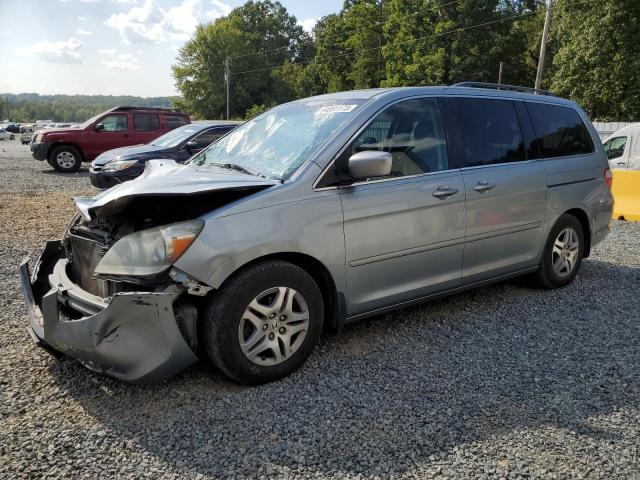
{"points": [[225, 311], [546, 276], [70, 153], [12, 137]]}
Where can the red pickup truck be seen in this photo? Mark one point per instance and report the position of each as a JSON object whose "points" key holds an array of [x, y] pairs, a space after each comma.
{"points": [[66, 148]]}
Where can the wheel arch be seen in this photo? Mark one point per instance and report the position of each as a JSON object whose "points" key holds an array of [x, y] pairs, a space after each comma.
{"points": [[334, 312], [583, 218]]}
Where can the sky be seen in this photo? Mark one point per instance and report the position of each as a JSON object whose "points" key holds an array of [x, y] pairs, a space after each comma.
{"points": [[109, 47]]}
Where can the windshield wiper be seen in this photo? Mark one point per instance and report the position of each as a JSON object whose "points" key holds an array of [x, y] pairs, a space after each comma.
{"points": [[238, 168]]}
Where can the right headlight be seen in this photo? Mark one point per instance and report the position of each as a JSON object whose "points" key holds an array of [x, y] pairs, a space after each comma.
{"points": [[149, 252]]}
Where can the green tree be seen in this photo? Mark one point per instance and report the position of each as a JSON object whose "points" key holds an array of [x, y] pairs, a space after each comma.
{"points": [[434, 43], [596, 59], [255, 37]]}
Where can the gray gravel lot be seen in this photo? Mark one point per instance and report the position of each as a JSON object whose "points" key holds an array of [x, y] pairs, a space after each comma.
{"points": [[505, 381]]}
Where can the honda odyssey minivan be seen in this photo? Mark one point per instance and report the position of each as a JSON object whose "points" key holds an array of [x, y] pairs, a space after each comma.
{"points": [[316, 213]]}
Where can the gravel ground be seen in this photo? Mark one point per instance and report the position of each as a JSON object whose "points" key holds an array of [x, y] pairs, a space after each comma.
{"points": [[505, 381]]}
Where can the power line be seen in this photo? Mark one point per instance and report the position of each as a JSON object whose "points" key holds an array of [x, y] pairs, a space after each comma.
{"points": [[440, 34], [381, 22]]}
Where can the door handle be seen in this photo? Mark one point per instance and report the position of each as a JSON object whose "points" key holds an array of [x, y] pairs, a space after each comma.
{"points": [[443, 192], [483, 186], [622, 163]]}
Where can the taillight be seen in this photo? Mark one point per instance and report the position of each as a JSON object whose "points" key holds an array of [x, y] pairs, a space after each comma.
{"points": [[608, 178]]}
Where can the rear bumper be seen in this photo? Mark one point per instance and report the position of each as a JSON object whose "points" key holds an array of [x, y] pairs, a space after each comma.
{"points": [[39, 150], [131, 336]]}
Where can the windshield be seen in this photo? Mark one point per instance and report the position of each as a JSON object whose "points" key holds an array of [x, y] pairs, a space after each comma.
{"points": [[277, 142], [175, 136], [90, 121]]}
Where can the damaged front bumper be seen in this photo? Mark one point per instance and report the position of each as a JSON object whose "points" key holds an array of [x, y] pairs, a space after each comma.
{"points": [[130, 336]]}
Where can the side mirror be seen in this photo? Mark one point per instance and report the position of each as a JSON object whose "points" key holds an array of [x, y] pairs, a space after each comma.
{"points": [[99, 126], [191, 145], [370, 163]]}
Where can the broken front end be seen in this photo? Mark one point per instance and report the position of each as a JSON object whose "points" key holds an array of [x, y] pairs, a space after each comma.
{"points": [[108, 296]]}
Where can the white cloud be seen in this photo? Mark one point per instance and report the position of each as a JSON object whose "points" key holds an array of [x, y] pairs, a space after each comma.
{"points": [[63, 51], [151, 23], [82, 19], [6, 33], [81, 31], [308, 24], [107, 51], [124, 62]]}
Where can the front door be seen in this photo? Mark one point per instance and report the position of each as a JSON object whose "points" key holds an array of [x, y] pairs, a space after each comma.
{"points": [[404, 234], [506, 194]]}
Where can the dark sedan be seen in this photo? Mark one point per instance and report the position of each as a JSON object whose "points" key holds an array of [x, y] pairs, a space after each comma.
{"points": [[121, 164]]}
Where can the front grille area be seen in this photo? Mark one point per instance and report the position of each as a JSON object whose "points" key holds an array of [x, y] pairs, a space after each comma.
{"points": [[85, 255]]}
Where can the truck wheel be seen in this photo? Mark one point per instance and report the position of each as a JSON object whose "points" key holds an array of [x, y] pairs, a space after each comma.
{"points": [[562, 254], [264, 322], [12, 137], [65, 159]]}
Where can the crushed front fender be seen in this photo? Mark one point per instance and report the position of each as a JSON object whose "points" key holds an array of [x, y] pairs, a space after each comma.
{"points": [[131, 336]]}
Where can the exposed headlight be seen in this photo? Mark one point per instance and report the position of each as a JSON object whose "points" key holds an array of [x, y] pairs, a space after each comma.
{"points": [[150, 251], [121, 165]]}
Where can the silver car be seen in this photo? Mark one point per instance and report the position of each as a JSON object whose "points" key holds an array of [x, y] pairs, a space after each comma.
{"points": [[320, 212]]}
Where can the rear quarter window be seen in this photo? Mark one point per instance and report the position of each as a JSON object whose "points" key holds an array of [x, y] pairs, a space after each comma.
{"points": [[175, 121], [559, 130]]}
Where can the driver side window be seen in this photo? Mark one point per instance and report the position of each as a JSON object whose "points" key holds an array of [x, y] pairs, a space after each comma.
{"points": [[114, 123], [412, 132]]}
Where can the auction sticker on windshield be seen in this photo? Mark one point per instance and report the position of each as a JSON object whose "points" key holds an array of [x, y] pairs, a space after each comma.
{"points": [[336, 109]]}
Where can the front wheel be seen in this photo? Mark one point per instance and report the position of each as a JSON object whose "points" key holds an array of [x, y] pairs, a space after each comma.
{"points": [[65, 159], [264, 322], [562, 254], [12, 137]]}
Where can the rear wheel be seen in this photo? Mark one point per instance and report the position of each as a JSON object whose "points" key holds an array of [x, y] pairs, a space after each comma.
{"points": [[12, 137], [562, 254], [264, 322], [65, 159]]}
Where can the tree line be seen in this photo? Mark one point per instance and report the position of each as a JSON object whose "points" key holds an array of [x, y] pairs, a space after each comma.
{"points": [[592, 55], [29, 107]]}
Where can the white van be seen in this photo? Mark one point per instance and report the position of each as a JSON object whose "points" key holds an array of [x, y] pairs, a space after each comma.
{"points": [[623, 148]]}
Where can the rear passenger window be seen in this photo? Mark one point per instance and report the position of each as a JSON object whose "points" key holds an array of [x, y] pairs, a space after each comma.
{"points": [[146, 122], [485, 131], [412, 132], [175, 121], [560, 130]]}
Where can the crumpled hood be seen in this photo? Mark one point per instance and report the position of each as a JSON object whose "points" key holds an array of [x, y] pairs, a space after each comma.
{"points": [[117, 153], [167, 178]]}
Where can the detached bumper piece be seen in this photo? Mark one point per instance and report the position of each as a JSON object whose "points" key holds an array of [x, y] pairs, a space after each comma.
{"points": [[133, 336]]}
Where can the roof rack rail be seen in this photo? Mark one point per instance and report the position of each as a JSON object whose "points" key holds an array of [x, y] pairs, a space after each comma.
{"points": [[502, 86], [124, 108]]}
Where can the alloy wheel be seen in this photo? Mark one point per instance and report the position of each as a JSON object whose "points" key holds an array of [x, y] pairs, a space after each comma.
{"points": [[65, 160], [565, 252], [273, 326]]}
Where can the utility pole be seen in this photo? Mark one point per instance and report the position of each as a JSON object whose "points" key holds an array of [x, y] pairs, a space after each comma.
{"points": [[500, 73], [227, 80], [8, 112], [543, 45]]}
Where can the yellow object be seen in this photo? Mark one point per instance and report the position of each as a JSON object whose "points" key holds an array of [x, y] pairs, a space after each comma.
{"points": [[626, 193]]}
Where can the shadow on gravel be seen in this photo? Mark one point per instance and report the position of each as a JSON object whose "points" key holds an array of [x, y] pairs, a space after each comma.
{"points": [[392, 391]]}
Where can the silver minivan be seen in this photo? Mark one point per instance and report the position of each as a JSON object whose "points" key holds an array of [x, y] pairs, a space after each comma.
{"points": [[316, 213]]}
